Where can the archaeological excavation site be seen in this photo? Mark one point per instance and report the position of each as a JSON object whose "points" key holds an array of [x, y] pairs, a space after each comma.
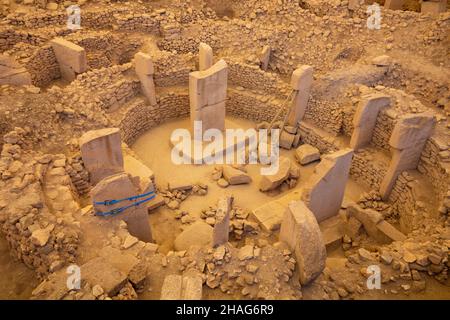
{"points": [[225, 150]]}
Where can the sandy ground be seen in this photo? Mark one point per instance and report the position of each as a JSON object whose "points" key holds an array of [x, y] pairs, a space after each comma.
{"points": [[154, 150]]}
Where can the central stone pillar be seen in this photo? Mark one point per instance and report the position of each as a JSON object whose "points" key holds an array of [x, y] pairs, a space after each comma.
{"points": [[207, 96]]}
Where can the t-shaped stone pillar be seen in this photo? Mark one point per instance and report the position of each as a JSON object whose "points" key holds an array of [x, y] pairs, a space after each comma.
{"points": [[205, 53], [101, 151], [301, 84], [407, 142], [71, 58], [302, 234], [207, 96], [365, 119], [144, 70], [324, 191]]}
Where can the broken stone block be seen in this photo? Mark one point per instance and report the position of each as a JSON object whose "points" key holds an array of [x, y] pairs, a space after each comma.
{"points": [[332, 232], [199, 233], [235, 176], [270, 215], [352, 227], [222, 225], [324, 191], [101, 151], [137, 169], [301, 232], [246, 252], [390, 231], [271, 182], [122, 260], [306, 154], [99, 271], [40, 237], [382, 61], [286, 140], [374, 224]]}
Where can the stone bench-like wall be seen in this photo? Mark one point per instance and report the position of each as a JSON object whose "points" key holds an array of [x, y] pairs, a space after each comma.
{"points": [[142, 117]]}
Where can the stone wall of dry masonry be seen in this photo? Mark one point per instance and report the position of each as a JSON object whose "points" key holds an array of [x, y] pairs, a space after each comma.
{"points": [[103, 49], [172, 69], [138, 22], [109, 85], [252, 107], [314, 138], [37, 20], [348, 113], [141, 117], [119, 93], [44, 240], [9, 37], [325, 114], [405, 203], [99, 19], [383, 130], [43, 66], [366, 171], [435, 163], [253, 77], [40, 62], [78, 175]]}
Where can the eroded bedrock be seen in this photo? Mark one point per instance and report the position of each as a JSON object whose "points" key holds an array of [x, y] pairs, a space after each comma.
{"points": [[185, 150]]}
